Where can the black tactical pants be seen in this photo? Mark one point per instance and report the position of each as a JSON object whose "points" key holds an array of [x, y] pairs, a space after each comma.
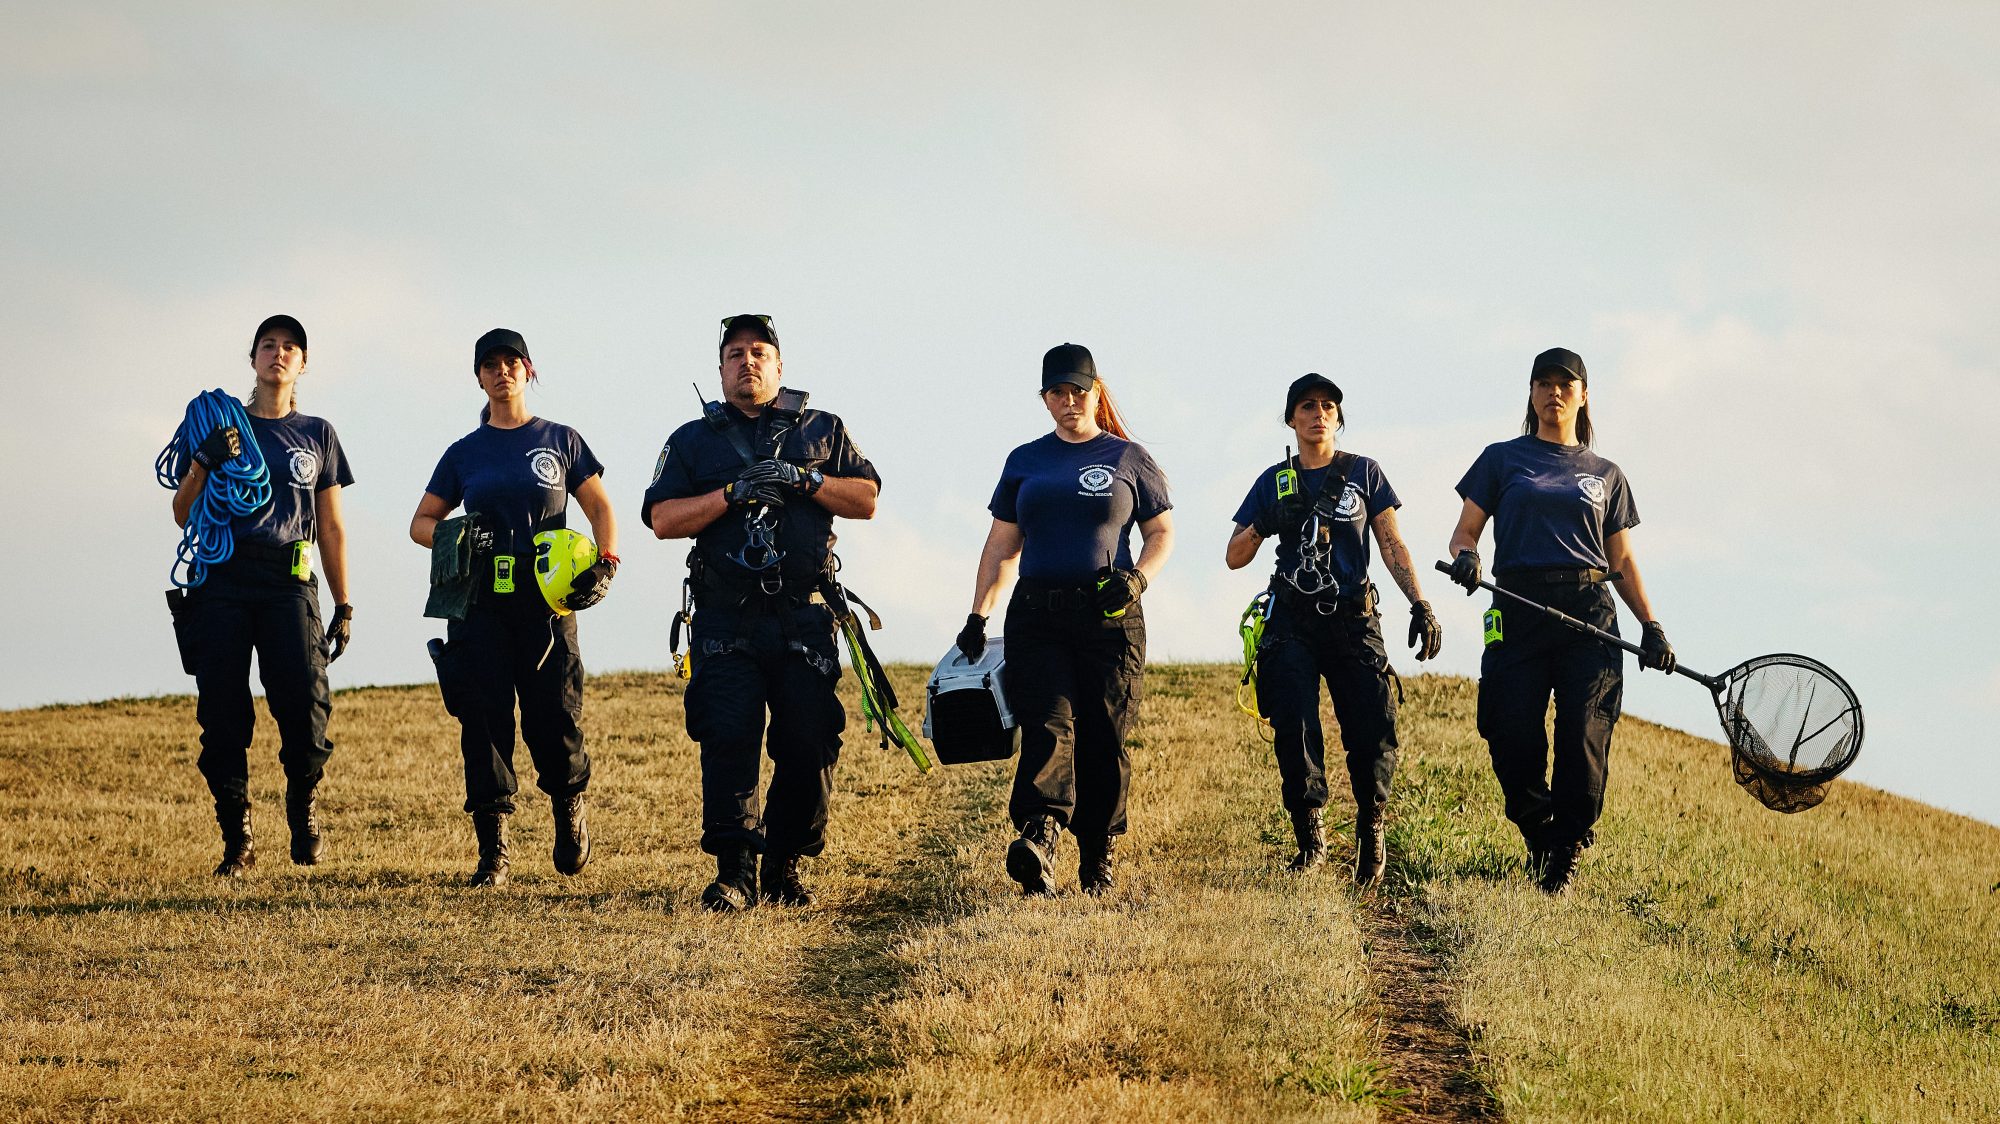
{"points": [[511, 648], [247, 606], [775, 656], [1073, 680], [1534, 658], [1299, 649]]}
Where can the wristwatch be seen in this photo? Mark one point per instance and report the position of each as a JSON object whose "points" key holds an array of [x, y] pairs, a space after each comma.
{"points": [[814, 478]]}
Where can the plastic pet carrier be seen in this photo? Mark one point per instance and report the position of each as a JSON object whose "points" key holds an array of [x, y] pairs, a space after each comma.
{"points": [[965, 709]]}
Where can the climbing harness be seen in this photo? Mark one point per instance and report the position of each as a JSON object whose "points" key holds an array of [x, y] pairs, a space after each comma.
{"points": [[1313, 576], [240, 486]]}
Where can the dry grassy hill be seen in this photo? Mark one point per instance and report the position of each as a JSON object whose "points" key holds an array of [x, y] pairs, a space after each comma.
{"points": [[1717, 961]]}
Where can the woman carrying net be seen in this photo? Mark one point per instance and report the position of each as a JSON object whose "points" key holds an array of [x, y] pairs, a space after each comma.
{"points": [[1562, 519]]}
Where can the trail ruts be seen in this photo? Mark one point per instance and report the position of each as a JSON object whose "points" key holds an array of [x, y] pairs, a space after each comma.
{"points": [[811, 1064], [1425, 1048]]}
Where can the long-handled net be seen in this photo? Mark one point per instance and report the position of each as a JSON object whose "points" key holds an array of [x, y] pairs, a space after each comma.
{"points": [[1792, 724]]}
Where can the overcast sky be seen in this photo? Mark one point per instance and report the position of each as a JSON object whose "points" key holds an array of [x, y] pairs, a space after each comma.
{"points": [[1768, 228]]}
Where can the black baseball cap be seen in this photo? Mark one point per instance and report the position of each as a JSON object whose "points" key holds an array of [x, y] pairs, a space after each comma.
{"points": [[499, 339], [288, 323], [1559, 361], [749, 322], [1304, 384], [1069, 363]]}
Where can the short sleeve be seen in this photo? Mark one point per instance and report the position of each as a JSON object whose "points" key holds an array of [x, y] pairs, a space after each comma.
{"points": [[1005, 504], [583, 464], [1254, 501], [673, 477], [333, 466], [1481, 482], [447, 483], [1620, 513], [1149, 486], [1375, 486], [846, 458]]}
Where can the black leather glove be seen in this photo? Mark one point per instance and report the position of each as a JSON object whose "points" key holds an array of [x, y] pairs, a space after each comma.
{"points": [[1426, 634], [1655, 652], [747, 492], [804, 481], [590, 586], [972, 638], [1117, 590], [1465, 571], [339, 631], [1287, 515], [223, 444]]}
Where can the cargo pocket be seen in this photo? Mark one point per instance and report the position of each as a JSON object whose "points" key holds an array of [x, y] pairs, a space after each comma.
{"points": [[183, 611], [456, 683]]}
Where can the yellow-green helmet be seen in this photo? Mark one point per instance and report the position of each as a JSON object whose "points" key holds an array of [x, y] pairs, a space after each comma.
{"points": [[559, 557]]}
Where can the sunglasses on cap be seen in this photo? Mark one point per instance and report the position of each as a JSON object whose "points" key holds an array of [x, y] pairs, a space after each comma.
{"points": [[729, 322]]}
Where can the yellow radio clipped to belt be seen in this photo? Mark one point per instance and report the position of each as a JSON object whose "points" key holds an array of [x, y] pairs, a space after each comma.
{"points": [[302, 563]]}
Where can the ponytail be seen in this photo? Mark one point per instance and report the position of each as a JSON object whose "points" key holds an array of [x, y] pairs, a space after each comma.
{"points": [[1108, 418]]}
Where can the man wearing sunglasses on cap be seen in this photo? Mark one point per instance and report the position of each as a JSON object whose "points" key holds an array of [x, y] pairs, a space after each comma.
{"points": [[756, 482]]}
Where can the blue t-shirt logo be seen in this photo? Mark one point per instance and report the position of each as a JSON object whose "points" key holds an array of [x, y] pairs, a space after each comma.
{"points": [[1095, 480], [547, 467], [1592, 487], [1349, 507], [304, 465]]}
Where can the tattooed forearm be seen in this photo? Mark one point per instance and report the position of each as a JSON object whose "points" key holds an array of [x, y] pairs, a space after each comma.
{"points": [[1396, 556]]}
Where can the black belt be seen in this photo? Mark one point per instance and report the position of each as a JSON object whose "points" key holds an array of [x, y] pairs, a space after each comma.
{"points": [[1555, 576], [1359, 605], [1055, 598]]}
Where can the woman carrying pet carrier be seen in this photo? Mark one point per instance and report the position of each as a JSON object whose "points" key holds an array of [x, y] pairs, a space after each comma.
{"points": [[1562, 519], [514, 475], [1322, 622], [1076, 634]]}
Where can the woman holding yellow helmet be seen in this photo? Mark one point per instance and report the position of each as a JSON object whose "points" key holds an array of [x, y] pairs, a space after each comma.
{"points": [[514, 476]]}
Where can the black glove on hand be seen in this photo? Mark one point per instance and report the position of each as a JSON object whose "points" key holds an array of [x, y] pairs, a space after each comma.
{"points": [[1465, 571], [774, 471], [1289, 514], [972, 638], [223, 444], [590, 586], [1655, 652], [1426, 635], [339, 631], [746, 492], [1117, 590]]}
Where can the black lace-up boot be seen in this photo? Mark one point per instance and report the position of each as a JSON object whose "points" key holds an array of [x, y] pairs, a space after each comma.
{"points": [[1310, 832], [238, 852], [302, 816], [735, 885], [1370, 849], [491, 829], [1094, 863], [1031, 859], [782, 883], [572, 834]]}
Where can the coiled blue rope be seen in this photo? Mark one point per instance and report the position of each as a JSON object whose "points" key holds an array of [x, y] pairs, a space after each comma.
{"points": [[240, 487]]}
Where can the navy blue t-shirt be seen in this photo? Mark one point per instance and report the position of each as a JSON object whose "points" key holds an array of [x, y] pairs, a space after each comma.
{"points": [[1366, 495], [1076, 503], [305, 459], [1552, 505], [698, 459], [520, 479]]}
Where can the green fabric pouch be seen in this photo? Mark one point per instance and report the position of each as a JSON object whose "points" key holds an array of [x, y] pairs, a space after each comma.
{"points": [[452, 584]]}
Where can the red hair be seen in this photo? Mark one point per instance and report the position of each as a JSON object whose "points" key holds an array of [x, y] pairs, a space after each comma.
{"points": [[1108, 418]]}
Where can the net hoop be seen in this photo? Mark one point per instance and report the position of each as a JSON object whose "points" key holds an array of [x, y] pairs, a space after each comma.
{"points": [[1742, 734]]}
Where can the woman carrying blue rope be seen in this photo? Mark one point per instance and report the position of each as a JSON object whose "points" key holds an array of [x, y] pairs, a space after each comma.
{"points": [[252, 586]]}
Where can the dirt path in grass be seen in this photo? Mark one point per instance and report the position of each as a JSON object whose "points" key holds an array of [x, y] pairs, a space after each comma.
{"points": [[1426, 1049]]}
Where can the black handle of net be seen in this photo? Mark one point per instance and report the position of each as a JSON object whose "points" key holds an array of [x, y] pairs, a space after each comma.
{"points": [[1709, 681]]}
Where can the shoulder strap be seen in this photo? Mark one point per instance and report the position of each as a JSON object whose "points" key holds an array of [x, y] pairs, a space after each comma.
{"points": [[1332, 485]]}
